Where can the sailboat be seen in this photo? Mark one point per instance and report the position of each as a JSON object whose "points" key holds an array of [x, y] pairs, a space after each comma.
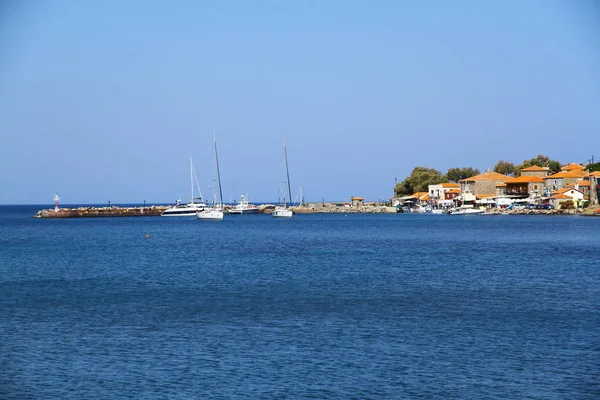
{"points": [[283, 211], [194, 206], [215, 212]]}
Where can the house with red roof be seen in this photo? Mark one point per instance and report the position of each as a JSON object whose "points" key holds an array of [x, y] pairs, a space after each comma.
{"points": [[560, 197], [572, 167], [561, 180], [525, 186], [482, 185], [443, 191], [534, 170]]}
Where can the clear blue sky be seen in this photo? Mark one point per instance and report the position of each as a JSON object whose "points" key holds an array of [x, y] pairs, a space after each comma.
{"points": [[107, 100]]}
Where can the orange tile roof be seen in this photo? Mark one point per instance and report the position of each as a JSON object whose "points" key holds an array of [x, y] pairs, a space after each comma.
{"points": [[419, 194], [525, 179], [584, 183], [579, 172], [535, 168], [357, 198], [453, 191], [451, 185], [572, 166], [485, 196], [565, 190], [595, 173], [559, 196], [562, 174], [501, 185], [487, 176]]}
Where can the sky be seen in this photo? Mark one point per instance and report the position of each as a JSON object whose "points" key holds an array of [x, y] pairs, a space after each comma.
{"points": [[106, 100]]}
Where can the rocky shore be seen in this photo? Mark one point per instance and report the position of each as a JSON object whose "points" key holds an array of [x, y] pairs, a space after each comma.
{"points": [[578, 211]]}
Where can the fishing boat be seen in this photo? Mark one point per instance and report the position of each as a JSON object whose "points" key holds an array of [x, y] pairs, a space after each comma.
{"points": [[195, 205], [243, 207], [215, 211], [282, 211]]}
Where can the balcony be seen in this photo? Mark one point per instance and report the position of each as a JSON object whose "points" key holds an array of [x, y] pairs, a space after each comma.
{"points": [[517, 191]]}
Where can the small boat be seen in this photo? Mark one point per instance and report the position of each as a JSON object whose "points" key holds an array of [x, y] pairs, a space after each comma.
{"points": [[282, 211], [243, 207], [465, 210], [193, 207], [215, 211], [211, 214]]}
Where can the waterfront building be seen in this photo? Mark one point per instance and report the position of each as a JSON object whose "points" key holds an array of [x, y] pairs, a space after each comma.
{"points": [[443, 191], [561, 196], [482, 185], [560, 180], [356, 201], [525, 186]]}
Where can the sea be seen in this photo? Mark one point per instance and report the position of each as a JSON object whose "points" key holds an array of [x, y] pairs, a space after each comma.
{"points": [[320, 306]]}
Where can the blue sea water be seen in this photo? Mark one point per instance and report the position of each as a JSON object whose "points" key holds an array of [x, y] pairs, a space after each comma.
{"points": [[320, 306]]}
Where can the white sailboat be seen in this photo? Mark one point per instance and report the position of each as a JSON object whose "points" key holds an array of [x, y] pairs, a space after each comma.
{"points": [[194, 206], [283, 211], [215, 212]]}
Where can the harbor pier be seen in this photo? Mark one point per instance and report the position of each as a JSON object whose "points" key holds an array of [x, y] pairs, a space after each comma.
{"points": [[96, 212]]}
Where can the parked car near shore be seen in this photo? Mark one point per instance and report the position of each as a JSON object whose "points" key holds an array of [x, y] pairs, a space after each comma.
{"points": [[545, 206]]}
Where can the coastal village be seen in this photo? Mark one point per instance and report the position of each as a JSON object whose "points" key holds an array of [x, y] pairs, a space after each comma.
{"points": [[572, 189]]}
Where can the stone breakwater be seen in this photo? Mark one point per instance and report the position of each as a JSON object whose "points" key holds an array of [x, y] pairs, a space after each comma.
{"points": [[345, 210], [99, 212]]}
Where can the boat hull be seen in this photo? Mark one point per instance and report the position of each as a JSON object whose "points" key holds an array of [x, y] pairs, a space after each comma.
{"points": [[468, 211], [243, 211], [282, 213], [214, 215], [182, 211]]}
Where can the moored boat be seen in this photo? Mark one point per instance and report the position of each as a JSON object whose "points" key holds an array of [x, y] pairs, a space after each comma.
{"points": [[282, 211], [243, 207], [215, 211], [183, 210], [194, 206], [465, 210]]}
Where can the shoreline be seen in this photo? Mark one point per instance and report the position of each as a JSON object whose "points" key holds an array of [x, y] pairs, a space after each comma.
{"points": [[320, 208]]}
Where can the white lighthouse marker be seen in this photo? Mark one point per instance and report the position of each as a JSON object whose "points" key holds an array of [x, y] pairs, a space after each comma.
{"points": [[56, 199]]}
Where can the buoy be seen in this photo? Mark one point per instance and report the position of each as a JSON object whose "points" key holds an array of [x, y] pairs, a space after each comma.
{"points": [[147, 236]]}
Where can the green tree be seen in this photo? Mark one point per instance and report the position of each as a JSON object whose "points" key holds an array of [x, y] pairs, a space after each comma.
{"points": [[418, 181], [539, 161], [593, 167], [504, 167], [457, 174]]}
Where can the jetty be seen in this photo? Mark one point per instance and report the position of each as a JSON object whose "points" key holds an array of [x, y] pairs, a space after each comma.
{"points": [[98, 212]]}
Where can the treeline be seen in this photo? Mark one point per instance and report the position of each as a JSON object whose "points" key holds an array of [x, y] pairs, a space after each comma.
{"points": [[421, 177]]}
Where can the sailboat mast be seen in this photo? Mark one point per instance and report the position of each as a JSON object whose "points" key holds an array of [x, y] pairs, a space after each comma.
{"points": [[218, 169], [287, 172], [192, 178], [214, 193]]}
